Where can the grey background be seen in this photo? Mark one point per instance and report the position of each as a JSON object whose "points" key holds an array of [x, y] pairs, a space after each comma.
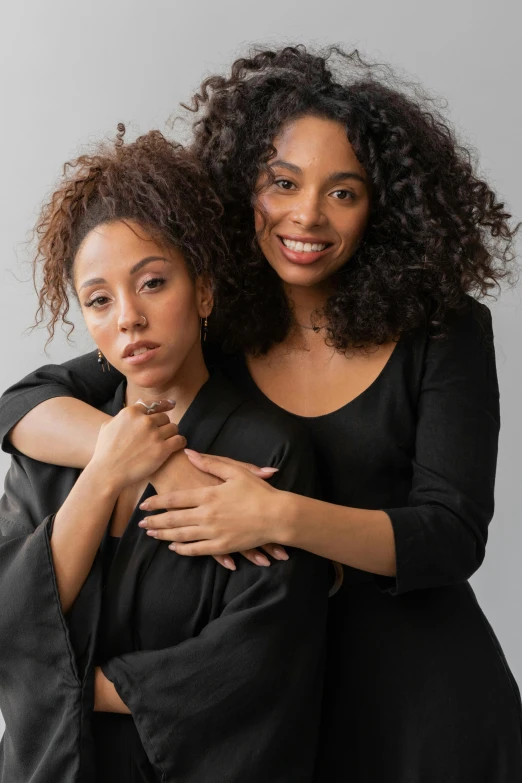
{"points": [[70, 71]]}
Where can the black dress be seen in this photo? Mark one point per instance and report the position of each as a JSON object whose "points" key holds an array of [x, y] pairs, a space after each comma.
{"points": [[222, 671], [418, 689]]}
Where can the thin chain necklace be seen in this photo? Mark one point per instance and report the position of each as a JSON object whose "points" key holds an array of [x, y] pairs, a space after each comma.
{"points": [[313, 328]]}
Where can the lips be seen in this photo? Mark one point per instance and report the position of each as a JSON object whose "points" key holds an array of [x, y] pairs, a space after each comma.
{"points": [[133, 349], [140, 352], [303, 250]]}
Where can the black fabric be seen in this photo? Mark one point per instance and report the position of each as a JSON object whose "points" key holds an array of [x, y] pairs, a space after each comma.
{"points": [[418, 689], [221, 670]]}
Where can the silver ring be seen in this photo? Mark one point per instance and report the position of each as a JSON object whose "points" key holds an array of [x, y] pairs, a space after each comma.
{"points": [[149, 408]]}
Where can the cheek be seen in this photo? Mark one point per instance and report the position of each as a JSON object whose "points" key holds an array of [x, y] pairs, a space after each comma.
{"points": [[352, 227], [266, 214], [102, 332], [176, 315]]}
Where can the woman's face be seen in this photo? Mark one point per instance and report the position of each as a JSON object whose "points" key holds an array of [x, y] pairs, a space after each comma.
{"points": [[140, 304], [311, 220]]}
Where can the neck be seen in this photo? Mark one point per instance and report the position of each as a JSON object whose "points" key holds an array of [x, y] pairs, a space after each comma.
{"points": [[305, 302], [182, 387]]}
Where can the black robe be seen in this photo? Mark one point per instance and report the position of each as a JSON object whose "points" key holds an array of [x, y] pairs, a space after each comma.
{"points": [[221, 670]]}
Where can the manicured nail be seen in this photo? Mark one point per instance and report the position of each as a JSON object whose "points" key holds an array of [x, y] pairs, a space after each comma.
{"points": [[228, 563], [279, 554], [144, 505], [143, 523], [269, 470], [172, 547], [152, 533], [191, 452], [261, 560], [172, 402]]}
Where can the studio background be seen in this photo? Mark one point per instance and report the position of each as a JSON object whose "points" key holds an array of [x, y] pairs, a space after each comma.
{"points": [[71, 71]]}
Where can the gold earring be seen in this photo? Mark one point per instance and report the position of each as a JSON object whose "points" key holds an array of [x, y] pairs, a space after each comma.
{"points": [[205, 329], [101, 360]]}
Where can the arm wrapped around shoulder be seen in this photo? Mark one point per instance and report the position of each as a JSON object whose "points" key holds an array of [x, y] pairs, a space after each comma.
{"points": [[80, 378], [440, 537]]}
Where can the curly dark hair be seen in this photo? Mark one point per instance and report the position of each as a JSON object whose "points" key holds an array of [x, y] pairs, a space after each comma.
{"points": [[152, 181], [436, 231]]}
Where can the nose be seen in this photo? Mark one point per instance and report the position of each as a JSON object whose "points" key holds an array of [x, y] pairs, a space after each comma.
{"points": [[130, 319], [307, 210]]}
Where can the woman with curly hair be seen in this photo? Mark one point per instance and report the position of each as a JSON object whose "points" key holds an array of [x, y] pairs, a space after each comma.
{"points": [[121, 661], [361, 237]]}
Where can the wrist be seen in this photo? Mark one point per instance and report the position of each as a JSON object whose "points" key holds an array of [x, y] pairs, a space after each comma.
{"points": [[108, 484], [287, 518]]}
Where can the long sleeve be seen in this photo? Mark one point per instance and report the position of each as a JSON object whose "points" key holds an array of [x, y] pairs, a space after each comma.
{"points": [[441, 535], [40, 682], [80, 378], [240, 701]]}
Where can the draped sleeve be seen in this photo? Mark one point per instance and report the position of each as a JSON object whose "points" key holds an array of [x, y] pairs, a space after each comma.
{"points": [[240, 701], [41, 683]]}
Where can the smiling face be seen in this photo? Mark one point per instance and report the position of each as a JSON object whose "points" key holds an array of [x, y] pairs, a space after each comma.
{"points": [[140, 304], [311, 219]]}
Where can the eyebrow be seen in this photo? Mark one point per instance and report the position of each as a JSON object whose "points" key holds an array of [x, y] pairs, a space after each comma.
{"points": [[136, 268], [335, 177]]}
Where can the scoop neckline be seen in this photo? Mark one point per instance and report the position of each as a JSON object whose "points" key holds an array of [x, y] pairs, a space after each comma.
{"points": [[365, 392]]}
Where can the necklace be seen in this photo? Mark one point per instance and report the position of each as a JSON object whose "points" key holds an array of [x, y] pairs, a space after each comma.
{"points": [[313, 328]]}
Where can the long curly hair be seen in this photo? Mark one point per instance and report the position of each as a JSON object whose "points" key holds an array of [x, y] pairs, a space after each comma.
{"points": [[152, 181], [436, 231]]}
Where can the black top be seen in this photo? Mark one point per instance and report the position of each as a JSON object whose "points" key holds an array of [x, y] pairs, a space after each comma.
{"points": [[419, 443], [417, 685], [195, 651]]}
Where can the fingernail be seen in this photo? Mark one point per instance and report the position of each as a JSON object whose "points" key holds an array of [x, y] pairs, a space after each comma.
{"points": [[261, 560], [172, 547], [172, 402], [143, 523], [279, 554], [191, 452], [228, 563], [144, 505], [152, 533], [269, 470]]}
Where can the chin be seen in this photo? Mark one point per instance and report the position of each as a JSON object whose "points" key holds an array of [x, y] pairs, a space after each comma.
{"points": [[151, 378], [304, 276]]}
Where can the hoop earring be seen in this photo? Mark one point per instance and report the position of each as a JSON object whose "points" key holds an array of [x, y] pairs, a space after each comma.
{"points": [[102, 360]]}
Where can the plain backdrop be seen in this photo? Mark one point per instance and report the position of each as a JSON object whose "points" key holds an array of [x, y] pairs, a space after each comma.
{"points": [[71, 71]]}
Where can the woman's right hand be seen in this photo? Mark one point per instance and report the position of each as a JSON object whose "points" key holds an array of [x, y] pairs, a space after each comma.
{"points": [[134, 444]]}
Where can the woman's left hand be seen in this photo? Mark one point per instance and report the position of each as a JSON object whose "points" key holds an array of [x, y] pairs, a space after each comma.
{"points": [[237, 516]]}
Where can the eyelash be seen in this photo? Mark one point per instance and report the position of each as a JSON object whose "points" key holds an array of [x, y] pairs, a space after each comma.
{"points": [[92, 302], [349, 193]]}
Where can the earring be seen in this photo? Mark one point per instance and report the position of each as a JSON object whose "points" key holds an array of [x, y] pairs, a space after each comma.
{"points": [[101, 360], [203, 329]]}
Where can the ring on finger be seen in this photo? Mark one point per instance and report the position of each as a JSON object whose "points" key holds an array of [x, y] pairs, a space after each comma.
{"points": [[149, 408]]}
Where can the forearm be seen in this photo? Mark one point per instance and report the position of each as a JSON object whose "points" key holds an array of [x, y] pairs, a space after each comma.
{"points": [[360, 538], [78, 530], [62, 431], [106, 698]]}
